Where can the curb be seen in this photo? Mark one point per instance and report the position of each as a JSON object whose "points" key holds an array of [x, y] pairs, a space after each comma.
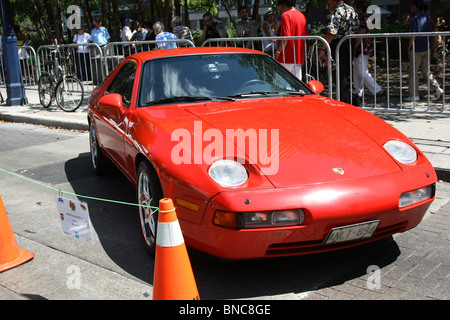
{"points": [[69, 124]]}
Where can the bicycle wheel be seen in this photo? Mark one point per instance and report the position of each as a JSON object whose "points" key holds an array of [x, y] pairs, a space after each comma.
{"points": [[69, 94], [45, 89]]}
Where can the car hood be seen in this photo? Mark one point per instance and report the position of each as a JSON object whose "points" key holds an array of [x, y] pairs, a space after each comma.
{"points": [[301, 140]]}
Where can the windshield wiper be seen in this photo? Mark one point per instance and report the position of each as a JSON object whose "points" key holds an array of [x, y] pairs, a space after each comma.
{"points": [[187, 99], [296, 93], [178, 99], [251, 93]]}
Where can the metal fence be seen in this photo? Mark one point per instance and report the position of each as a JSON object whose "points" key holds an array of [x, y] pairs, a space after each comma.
{"points": [[388, 65], [313, 69], [27, 63], [89, 62], [395, 71]]}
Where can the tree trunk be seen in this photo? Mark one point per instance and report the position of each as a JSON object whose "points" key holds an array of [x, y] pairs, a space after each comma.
{"points": [[57, 20]]}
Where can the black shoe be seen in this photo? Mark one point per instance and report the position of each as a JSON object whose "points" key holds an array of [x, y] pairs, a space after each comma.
{"points": [[380, 94], [356, 100]]}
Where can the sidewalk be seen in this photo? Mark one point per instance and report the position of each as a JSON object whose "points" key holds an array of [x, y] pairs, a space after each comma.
{"points": [[429, 131]]}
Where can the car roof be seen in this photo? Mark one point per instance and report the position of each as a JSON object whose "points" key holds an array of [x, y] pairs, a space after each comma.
{"points": [[147, 55]]}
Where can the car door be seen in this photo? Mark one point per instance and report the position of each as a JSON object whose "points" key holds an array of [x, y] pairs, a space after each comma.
{"points": [[112, 130]]}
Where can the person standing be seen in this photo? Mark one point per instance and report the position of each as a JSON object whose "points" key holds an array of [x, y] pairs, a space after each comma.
{"points": [[212, 29], [139, 34], [100, 34], [342, 21], [127, 34], [181, 31], [268, 31], [246, 27], [291, 53], [419, 58], [161, 35], [363, 51], [82, 58]]}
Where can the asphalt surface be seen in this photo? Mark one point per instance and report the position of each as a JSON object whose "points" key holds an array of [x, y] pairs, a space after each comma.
{"points": [[416, 268]]}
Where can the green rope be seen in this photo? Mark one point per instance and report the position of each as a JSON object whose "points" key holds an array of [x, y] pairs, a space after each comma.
{"points": [[75, 194]]}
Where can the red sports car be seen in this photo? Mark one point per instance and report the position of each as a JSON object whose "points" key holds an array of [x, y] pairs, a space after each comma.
{"points": [[257, 163]]}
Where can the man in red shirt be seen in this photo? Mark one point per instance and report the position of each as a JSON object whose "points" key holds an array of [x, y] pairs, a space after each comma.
{"points": [[291, 53]]}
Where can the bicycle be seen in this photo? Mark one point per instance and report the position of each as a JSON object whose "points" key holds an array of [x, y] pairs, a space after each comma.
{"points": [[67, 90]]}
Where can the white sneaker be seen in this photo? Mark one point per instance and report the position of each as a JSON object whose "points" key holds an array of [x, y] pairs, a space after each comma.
{"points": [[411, 99], [438, 93]]}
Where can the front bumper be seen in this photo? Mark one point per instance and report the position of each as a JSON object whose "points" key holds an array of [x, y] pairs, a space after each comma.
{"points": [[326, 206]]}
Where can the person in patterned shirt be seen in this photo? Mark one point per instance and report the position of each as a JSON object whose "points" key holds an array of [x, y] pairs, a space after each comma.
{"points": [[342, 21], [181, 31], [361, 73]]}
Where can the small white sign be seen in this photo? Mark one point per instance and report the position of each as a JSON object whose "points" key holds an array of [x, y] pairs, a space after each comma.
{"points": [[74, 217]]}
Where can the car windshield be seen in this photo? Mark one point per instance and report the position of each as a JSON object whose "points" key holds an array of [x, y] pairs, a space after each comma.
{"points": [[215, 76]]}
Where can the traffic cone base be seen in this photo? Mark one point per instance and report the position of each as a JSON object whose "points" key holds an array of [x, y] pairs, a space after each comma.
{"points": [[173, 277], [11, 255], [175, 281], [22, 257]]}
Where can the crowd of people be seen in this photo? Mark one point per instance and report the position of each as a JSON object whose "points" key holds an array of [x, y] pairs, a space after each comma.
{"points": [[345, 17]]}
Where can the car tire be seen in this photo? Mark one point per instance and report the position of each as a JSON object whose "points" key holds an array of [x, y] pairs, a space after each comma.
{"points": [[99, 162], [149, 193]]}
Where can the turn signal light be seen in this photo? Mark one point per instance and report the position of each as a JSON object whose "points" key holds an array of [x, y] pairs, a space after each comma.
{"points": [[225, 219]]}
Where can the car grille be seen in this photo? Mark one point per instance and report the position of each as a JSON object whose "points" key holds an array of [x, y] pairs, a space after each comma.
{"points": [[307, 247]]}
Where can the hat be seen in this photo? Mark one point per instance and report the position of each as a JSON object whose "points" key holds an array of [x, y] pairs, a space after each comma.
{"points": [[268, 13], [128, 20]]}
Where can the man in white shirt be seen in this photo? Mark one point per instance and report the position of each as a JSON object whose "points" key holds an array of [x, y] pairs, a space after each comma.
{"points": [[126, 36]]}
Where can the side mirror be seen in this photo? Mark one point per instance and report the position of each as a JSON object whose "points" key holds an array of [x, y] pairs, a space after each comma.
{"points": [[316, 86], [112, 105]]}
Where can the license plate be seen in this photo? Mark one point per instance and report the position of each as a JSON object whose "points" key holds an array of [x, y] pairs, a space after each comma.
{"points": [[352, 232]]}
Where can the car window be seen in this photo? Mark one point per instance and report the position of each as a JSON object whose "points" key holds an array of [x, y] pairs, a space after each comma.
{"points": [[123, 83], [214, 75]]}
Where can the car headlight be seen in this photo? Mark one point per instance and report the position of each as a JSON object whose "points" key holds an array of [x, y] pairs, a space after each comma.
{"points": [[228, 173], [401, 151], [262, 219], [273, 218]]}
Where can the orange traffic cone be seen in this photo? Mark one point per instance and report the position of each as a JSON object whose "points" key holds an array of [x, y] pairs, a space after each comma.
{"points": [[173, 278], [11, 255]]}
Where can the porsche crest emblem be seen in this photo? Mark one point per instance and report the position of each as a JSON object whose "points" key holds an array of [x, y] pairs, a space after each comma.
{"points": [[338, 171]]}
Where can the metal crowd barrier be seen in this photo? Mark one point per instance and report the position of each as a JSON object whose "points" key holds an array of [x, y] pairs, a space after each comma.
{"points": [[27, 64], [388, 66], [313, 68], [85, 61], [391, 60], [89, 62], [115, 52]]}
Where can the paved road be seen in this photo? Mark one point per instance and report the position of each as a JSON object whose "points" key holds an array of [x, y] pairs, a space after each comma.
{"points": [[412, 265]]}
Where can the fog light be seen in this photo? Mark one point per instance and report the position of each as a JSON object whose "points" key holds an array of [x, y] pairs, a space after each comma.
{"points": [[416, 196]]}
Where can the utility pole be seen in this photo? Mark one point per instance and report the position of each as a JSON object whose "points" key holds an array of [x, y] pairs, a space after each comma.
{"points": [[15, 89]]}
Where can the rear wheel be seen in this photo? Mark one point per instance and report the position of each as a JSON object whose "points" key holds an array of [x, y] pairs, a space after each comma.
{"points": [[148, 194], [45, 89]]}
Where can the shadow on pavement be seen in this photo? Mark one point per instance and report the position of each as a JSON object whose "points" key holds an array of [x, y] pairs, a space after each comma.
{"points": [[118, 229]]}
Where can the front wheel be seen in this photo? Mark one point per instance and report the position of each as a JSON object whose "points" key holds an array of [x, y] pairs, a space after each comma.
{"points": [[99, 162], [45, 89], [148, 194], [69, 94]]}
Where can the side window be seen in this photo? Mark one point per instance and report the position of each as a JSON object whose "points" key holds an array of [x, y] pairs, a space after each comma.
{"points": [[123, 83]]}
